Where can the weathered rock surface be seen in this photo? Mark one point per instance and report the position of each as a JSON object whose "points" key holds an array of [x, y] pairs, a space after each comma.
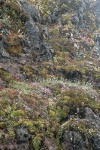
{"points": [[92, 117], [96, 141], [34, 40], [73, 140]]}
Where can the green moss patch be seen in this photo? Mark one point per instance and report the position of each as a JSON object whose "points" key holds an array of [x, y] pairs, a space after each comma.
{"points": [[5, 75]]}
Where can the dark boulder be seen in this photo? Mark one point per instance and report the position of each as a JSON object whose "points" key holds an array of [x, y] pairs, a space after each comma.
{"points": [[32, 32], [31, 10], [22, 134], [72, 75], [73, 140], [34, 39], [92, 117], [96, 141], [23, 138]]}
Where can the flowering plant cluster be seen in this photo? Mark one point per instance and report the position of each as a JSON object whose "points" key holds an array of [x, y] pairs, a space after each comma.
{"points": [[46, 91], [87, 41], [34, 83]]}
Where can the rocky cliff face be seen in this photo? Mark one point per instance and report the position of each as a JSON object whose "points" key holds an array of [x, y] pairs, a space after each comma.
{"points": [[49, 75], [97, 39], [33, 38]]}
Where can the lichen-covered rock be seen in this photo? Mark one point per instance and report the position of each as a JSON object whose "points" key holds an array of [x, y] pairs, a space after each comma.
{"points": [[22, 134], [13, 40], [96, 141], [73, 140], [23, 138], [72, 75], [96, 48], [33, 34], [31, 10], [92, 117]]}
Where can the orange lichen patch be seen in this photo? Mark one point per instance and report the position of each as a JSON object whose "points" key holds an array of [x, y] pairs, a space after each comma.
{"points": [[1, 88], [13, 38], [14, 44], [9, 93], [12, 94], [15, 50], [33, 100]]}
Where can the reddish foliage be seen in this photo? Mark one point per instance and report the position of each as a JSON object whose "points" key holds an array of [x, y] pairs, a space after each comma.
{"points": [[2, 88]]}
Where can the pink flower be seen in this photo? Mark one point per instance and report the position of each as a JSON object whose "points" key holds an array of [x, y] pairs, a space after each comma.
{"points": [[46, 91], [34, 83]]}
